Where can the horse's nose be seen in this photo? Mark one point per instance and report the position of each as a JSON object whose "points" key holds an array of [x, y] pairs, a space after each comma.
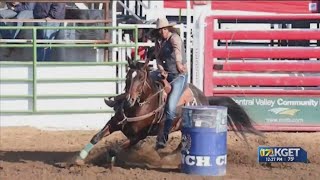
{"points": [[132, 100]]}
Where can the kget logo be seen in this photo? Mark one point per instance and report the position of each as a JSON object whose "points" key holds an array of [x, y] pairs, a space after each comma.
{"points": [[281, 154], [266, 152]]}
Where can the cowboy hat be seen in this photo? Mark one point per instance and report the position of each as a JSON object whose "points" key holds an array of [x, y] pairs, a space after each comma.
{"points": [[162, 23]]}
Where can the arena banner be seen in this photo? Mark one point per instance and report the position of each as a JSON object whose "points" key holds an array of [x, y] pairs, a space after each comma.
{"points": [[295, 111]]}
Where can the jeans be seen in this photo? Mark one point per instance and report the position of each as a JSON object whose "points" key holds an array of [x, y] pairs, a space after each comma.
{"points": [[178, 86], [43, 54], [10, 14]]}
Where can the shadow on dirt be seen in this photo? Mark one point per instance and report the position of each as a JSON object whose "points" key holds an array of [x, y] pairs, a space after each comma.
{"points": [[41, 156], [141, 156], [98, 157]]}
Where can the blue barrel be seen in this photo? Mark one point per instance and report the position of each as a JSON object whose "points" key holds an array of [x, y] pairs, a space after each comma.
{"points": [[204, 140]]}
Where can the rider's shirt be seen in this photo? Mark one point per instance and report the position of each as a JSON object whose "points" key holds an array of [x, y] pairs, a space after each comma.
{"points": [[171, 51]]}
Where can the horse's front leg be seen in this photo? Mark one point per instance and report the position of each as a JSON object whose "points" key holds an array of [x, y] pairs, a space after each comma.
{"points": [[109, 128]]}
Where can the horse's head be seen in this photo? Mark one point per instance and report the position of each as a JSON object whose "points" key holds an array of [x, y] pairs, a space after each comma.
{"points": [[139, 78]]}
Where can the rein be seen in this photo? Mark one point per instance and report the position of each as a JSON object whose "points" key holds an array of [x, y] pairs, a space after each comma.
{"points": [[139, 118]]}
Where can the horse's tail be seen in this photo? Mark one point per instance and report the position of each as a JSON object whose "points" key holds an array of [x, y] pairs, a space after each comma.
{"points": [[238, 119]]}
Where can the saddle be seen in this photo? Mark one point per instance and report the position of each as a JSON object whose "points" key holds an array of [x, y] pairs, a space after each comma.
{"points": [[186, 98]]}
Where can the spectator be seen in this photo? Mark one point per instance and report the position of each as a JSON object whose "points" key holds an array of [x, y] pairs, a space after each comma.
{"points": [[18, 10], [48, 11], [142, 50]]}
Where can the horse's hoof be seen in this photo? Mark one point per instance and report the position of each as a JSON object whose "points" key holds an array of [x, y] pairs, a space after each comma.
{"points": [[79, 161]]}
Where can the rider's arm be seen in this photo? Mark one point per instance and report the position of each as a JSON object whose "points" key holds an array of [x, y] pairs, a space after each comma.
{"points": [[176, 43]]}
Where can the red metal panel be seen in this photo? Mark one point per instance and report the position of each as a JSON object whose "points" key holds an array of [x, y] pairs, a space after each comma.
{"points": [[286, 53], [311, 34], [287, 17], [272, 66], [269, 92], [278, 6], [267, 81], [274, 52]]}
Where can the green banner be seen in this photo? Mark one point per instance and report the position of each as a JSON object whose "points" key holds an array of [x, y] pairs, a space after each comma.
{"points": [[282, 110]]}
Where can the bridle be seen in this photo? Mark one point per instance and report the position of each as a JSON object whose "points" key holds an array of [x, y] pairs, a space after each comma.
{"points": [[144, 84], [147, 101]]}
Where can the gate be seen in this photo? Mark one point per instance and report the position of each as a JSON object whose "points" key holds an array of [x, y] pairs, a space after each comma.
{"points": [[273, 73]]}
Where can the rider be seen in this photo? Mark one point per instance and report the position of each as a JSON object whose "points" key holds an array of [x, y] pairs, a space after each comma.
{"points": [[171, 62], [171, 59]]}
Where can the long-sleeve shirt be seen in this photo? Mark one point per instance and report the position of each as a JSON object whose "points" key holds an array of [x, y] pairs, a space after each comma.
{"points": [[169, 52], [51, 10]]}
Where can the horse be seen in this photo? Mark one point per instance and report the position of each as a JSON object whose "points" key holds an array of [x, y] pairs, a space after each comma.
{"points": [[141, 113]]}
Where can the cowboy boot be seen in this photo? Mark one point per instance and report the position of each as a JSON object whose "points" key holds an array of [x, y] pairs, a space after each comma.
{"points": [[112, 103], [163, 138], [109, 102]]}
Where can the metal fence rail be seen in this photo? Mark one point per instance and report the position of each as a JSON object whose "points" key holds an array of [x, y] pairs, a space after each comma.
{"points": [[34, 81]]}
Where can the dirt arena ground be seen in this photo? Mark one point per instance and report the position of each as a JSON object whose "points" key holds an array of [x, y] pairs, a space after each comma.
{"points": [[27, 153]]}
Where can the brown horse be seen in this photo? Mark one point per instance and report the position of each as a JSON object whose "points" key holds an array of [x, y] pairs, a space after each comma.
{"points": [[140, 114]]}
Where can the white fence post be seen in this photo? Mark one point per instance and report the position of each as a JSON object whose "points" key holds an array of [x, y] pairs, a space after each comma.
{"points": [[200, 12], [188, 38]]}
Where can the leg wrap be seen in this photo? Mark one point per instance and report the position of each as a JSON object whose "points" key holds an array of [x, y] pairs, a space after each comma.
{"points": [[85, 151]]}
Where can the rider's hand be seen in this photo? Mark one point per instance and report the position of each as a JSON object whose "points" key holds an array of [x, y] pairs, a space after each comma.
{"points": [[163, 74], [164, 96], [181, 68], [48, 18]]}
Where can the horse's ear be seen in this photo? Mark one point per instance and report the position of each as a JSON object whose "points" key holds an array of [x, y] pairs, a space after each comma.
{"points": [[146, 63], [130, 62], [150, 53]]}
